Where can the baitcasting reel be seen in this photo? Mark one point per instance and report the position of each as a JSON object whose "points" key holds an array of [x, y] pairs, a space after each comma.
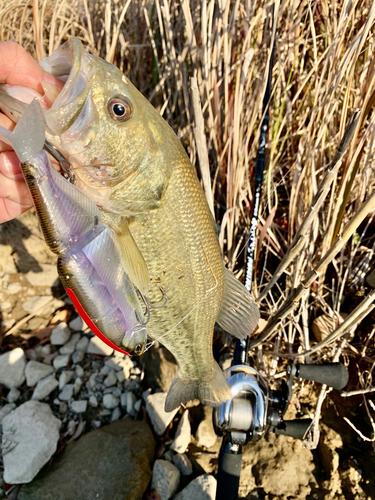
{"points": [[255, 409]]}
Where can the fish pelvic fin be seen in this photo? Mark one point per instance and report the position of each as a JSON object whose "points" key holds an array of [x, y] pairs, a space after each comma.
{"points": [[238, 315], [134, 262], [27, 139], [213, 390]]}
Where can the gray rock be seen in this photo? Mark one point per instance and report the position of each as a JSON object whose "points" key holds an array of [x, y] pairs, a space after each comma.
{"points": [[183, 434], [35, 371], [201, 488], [120, 376], [12, 368], [123, 399], [30, 436], [92, 380], [13, 395], [78, 383], [111, 379], [124, 474], [82, 344], [79, 406], [60, 334], [97, 346], [78, 356], [165, 479], [183, 464], [36, 303], [67, 392], [44, 387], [130, 402], [105, 370], [70, 346], [48, 277], [65, 377], [5, 410], [137, 406], [160, 419], [110, 401], [76, 324], [79, 371], [116, 414], [93, 401], [205, 434], [61, 361], [123, 365]]}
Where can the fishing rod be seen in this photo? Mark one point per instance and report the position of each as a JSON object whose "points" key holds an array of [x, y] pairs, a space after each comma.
{"points": [[254, 408], [242, 345]]}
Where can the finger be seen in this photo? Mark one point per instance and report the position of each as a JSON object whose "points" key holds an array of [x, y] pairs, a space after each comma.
{"points": [[19, 68], [10, 166], [10, 209], [15, 198], [8, 124]]}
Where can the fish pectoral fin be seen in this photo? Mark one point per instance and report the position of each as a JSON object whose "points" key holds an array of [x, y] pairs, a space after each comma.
{"points": [[135, 265], [238, 315], [213, 390]]}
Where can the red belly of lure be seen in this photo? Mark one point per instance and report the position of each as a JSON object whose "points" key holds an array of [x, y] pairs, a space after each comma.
{"points": [[90, 323]]}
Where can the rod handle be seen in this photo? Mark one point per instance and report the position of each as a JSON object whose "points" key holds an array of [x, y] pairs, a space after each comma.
{"points": [[333, 374], [228, 475], [296, 429]]}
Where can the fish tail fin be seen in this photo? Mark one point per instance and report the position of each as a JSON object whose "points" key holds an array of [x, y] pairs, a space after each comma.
{"points": [[213, 390], [27, 139], [239, 314]]}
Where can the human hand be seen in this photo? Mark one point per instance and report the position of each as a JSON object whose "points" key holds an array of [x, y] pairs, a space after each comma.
{"points": [[17, 67]]}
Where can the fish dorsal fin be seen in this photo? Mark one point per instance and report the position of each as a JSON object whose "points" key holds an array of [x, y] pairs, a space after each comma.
{"points": [[135, 265], [238, 315]]}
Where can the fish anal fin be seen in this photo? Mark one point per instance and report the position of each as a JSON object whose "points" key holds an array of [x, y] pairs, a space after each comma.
{"points": [[134, 263], [238, 315], [213, 390]]}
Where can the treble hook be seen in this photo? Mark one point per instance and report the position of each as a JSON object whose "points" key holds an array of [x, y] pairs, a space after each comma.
{"points": [[145, 301], [65, 164], [164, 303]]}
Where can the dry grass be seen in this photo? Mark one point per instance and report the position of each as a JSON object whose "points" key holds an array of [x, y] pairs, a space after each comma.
{"points": [[324, 69]]}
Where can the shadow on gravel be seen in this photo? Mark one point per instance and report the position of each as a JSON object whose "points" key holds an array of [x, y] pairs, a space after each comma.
{"points": [[13, 233]]}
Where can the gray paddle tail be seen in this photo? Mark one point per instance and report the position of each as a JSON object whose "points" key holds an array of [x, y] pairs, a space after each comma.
{"points": [[27, 139]]}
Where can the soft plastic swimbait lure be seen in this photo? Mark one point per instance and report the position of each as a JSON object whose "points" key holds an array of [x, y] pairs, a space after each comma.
{"points": [[90, 264]]}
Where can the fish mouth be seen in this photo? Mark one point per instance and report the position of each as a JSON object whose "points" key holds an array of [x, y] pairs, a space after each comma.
{"points": [[72, 118], [72, 107]]}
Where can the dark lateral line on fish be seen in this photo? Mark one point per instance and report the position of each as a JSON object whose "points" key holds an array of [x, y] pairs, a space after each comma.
{"points": [[65, 164]]}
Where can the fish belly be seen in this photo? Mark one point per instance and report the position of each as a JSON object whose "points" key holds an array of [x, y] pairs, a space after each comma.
{"points": [[179, 243]]}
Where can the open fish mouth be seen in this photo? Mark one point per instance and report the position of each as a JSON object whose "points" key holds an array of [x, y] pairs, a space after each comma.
{"points": [[71, 108], [72, 119]]}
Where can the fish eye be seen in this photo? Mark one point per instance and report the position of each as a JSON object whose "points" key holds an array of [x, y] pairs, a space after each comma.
{"points": [[119, 109]]}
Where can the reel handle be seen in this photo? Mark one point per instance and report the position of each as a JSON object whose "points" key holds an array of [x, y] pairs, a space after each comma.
{"points": [[333, 374]]}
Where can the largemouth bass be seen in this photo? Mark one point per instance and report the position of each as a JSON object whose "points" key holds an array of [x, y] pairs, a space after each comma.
{"points": [[131, 164], [89, 264]]}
